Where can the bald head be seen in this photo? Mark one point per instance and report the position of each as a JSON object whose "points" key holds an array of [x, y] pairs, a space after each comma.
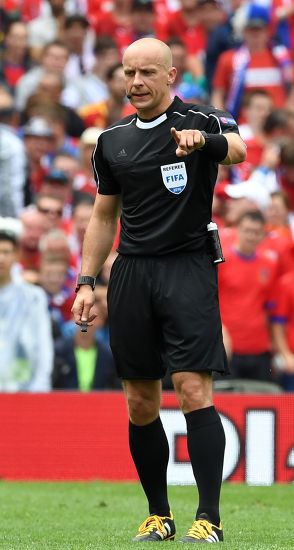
{"points": [[149, 74], [151, 50]]}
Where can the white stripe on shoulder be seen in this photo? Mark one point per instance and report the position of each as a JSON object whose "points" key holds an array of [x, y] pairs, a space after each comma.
{"points": [[118, 126], [207, 116], [198, 113], [220, 130], [177, 113], [93, 157]]}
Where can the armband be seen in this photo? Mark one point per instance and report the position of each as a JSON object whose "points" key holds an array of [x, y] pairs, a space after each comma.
{"points": [[216, 146]]}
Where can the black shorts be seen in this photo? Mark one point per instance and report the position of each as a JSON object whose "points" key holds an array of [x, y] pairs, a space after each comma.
{"points": [[164, 314]]}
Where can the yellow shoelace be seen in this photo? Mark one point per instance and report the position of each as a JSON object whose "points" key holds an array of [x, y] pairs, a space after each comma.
{"points": [[152, 522], [200, 529]]}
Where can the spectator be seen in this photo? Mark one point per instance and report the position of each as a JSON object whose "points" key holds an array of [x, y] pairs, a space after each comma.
{"points": [[84, 362], [57, 183], [14, 60], [84, 179], [46, 98], [38, 140], [286, 176], [185, 83], [46, 28], [79, 39], [221, 37], [35, 225], [277, 215], [57, 117], [283, 16], [25, 337], [245, 285], [253, 65], [106, 112], [143, 20], [55, 245], [82, 211], [50, 206], [185, 23], [54, 281], [212, 17], [279, 233], [53, 59], [92, 87], [115, 23], [282, 323], [256, 107], [12, 160]]}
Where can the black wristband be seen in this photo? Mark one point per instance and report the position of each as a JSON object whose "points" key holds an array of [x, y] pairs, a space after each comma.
{"points": [[216, 146]]}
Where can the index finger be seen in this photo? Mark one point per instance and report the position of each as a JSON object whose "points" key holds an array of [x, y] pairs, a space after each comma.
{"points": [[176, 135]]}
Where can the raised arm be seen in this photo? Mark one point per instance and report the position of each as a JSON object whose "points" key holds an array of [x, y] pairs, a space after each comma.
{"points": [[228, 148]]}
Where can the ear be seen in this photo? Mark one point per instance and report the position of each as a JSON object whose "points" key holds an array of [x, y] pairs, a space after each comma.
{"points": [[172, 73]]}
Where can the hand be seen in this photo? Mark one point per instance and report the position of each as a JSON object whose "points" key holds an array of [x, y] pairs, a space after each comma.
{"points": [[83, 305], [187, 141]]}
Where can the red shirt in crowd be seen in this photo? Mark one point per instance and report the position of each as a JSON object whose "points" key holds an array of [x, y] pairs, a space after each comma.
{"points": [[193, 36], [283, 311], [263, 72], [245, 285]]}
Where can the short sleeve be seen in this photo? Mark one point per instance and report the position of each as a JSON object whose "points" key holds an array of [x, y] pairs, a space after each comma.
{"points": [[221, 122], [105, 181]]}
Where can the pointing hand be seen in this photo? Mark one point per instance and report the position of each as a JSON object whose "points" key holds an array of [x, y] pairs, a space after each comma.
{"points": [[187, 141]]}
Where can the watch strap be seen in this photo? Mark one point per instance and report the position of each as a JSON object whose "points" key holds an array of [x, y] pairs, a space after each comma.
{"points": [[85, 280]]}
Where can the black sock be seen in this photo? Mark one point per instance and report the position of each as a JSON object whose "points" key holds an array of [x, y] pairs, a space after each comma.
{"points": [[206, 446], [150, 453]]}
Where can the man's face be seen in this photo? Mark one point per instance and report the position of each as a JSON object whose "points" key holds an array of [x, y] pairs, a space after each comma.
{"points": [[147, 82], [250, 234], [256, 38], [55, 58], [258, 109], [117, 84], [37, 147], [7, 258], [17, 38], [53, 276], [35, 225], [75, 36], [51, 208]]}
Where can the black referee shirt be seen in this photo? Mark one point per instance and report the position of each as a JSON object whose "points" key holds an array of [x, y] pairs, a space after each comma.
{"points": [[166, 200]]}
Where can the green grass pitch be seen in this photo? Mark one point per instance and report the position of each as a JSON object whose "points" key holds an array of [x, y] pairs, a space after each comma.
{"points": [[105, 516]]}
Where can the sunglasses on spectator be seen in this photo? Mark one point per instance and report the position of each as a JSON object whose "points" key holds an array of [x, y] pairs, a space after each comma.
{"points": [[50, 211]]}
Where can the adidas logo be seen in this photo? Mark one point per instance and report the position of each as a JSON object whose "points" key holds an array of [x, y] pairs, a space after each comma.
{"points": [[122, 153], [212, 537]]}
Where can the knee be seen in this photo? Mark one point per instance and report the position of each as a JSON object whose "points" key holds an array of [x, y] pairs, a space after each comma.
{"points": [[194, 392], [142, 410]]}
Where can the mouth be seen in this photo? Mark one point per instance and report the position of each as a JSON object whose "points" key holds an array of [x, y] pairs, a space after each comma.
{"points": [[139, 96]]}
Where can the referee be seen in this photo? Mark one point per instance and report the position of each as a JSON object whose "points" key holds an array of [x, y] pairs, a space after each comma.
{"points": [[159, 168]]}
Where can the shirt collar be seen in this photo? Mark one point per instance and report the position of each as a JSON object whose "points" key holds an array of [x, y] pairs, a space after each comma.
{"points": [[151, 123]]}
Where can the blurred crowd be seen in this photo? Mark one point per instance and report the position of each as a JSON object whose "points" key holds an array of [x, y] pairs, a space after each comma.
{"points": [[61, 84]]}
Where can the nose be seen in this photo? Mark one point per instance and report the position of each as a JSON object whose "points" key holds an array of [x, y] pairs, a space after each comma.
{"points": [[137, 79]]}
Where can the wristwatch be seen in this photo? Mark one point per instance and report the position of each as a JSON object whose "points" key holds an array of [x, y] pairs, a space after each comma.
{"points": [[85, 280]]}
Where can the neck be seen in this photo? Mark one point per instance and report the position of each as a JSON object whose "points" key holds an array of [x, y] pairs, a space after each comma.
{"points": [[149, 114]]}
